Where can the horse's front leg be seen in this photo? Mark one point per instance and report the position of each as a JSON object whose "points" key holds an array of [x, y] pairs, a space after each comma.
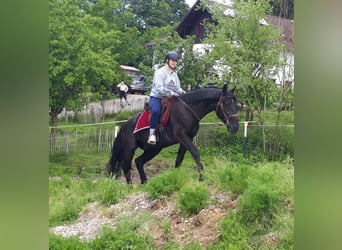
{"points": [[187, 143], [180, 155]]}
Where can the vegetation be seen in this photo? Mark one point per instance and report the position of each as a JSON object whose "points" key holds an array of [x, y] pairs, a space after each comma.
{"points": [[250, 52], [192, 199], [166, 184], [263, 189]]}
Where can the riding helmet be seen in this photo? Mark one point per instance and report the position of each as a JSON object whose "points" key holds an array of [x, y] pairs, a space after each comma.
{"points": [[172, 55]]}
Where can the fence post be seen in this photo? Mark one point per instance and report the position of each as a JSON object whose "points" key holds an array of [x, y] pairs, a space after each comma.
{"points": [[99, 145], [116, 131], [66, 146], [245, 138]]}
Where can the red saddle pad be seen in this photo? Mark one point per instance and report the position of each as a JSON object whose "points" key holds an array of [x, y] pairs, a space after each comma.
{"points": [[143, 119]]}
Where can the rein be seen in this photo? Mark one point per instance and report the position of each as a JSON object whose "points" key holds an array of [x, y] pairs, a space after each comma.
{"points": [[186, 105], [220, 105]]}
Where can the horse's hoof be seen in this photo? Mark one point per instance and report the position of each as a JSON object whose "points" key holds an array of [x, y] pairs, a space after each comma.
{"points": [[201, 178]]}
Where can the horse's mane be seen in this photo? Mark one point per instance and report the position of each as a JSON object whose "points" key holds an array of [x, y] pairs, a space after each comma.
{"points": [[201, 94]]}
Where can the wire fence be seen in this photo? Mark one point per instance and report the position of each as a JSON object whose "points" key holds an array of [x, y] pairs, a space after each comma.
{"points": [[79, 138]]}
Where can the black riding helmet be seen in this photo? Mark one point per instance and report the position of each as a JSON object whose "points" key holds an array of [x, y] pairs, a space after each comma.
{"points": [[172, 55]]}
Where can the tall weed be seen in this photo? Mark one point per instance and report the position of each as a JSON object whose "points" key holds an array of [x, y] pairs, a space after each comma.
{"points": [[234, 178], [233, 236], [166, 183], [65, 212], [264, 196], [57, 242], [192, 199], [125, 236], [110, 191]]}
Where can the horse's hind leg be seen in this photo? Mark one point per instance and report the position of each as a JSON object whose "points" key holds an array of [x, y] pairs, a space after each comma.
{"points": [[127, 165], [180, 155], [142, 159]]}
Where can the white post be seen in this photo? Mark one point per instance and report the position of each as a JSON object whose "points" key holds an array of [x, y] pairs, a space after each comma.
{"points": [[116, 131], [245, 138]]}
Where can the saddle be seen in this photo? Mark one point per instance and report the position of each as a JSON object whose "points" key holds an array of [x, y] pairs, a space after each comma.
{"points": [[143, 121]]}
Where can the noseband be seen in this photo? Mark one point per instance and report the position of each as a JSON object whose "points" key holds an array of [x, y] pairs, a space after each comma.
{"points": [[221, 106]]}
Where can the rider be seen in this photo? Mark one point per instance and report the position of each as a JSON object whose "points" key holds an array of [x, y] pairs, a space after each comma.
{"points": [[165, 83]]}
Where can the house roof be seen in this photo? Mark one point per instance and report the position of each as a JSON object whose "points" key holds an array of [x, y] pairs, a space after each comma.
{"points": [[189, 19], [286, 26]]}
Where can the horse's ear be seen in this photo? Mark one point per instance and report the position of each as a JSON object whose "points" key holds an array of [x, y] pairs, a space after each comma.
{"points": [[233, 89], [224, 89]]}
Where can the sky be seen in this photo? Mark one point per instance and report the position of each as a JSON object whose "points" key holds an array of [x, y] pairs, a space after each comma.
{"points": [[190, 2]]}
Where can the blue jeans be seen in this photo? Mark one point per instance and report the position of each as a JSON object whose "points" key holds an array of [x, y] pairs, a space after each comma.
{"points": [[155, 109]]}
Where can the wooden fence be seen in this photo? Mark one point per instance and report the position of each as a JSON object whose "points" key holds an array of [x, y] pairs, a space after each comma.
{"points": [[73, 140]]}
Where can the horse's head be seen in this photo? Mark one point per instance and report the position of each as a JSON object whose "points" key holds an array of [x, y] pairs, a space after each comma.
{"points": [[226, 109]]}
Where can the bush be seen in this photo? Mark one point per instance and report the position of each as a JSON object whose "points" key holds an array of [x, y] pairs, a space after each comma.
{"points": [[166, 183], [233, 235], [125, 236], [234, 178], [111, 191], [192, 199], [262, 198], [119, 240], [57, 242], [66, 212]]}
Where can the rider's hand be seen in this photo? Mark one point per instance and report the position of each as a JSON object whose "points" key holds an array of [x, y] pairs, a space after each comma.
{"points": [[174, 93], [181, 91]]}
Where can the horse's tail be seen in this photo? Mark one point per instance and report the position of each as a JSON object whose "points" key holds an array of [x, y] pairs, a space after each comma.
{"points": [[114, 165]]}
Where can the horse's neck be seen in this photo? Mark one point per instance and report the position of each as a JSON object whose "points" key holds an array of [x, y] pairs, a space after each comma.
{"points": [[202, 108]]}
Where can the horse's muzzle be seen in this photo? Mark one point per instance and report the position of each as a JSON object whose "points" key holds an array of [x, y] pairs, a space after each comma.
{"points": [[233, 126]]}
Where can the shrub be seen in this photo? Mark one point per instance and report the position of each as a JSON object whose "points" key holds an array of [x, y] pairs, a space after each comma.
{"points": [[124, 237], [119, 240], [234, 178], [66, 212], [111, 191], [192, 199], [233, 235], [262, 198], [166, 183], [57, 242]]}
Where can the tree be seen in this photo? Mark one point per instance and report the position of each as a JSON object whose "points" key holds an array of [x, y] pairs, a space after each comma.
{"points": [[249, 48], [80, 57], [151, 13], [282, 8]]}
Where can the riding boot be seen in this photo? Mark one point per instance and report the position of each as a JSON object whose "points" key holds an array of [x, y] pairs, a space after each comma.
{"points": [[152, 138]]}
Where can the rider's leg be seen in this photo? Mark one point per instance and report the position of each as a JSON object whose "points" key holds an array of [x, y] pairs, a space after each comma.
{"points": [[155, 108]]}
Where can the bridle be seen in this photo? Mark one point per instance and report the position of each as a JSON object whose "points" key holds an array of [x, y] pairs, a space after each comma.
{"points": [[220, 105]]}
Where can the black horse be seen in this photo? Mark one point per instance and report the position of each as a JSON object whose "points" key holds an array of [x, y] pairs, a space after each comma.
{"points": [[186, 112]]}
